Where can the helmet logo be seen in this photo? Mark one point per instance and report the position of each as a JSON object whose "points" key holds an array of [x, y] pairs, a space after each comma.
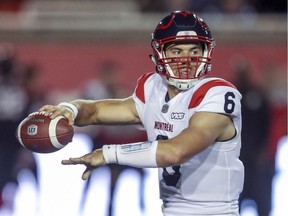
{"points": [[186, 33]]}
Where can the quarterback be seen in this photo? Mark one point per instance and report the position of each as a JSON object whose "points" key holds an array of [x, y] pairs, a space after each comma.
{"points": [[193, 123]]}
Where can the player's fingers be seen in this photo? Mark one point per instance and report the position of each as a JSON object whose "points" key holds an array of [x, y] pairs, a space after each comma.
{"points": [[87, 173], [70, 118], [66, 162], [73, 161], [64, 112], [71, 121], [59, 111], [44, 108], [48, 109], [54, 111]]}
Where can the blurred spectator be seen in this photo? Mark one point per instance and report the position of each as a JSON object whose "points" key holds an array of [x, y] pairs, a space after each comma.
{"points": [[275, 81], [108, 86], [33, 88], [276, 86], [255, 132], [14, 104]]}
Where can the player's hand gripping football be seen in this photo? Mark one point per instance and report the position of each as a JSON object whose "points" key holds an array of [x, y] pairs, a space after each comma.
{"points": [[91, 160], [54, 111]]}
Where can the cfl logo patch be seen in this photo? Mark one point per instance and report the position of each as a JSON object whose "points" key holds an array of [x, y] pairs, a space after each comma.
{"points": [[177, 115], [32, 130]]}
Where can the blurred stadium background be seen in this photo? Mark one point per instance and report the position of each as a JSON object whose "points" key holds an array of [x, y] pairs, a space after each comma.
{"points": [[65, 42]]}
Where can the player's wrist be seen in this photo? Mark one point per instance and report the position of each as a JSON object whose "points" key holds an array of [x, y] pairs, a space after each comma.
{"points": [[71, 107], [109, 153]]}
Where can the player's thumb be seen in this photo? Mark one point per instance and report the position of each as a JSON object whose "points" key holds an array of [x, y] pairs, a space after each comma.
{"points": [[87, 173]]}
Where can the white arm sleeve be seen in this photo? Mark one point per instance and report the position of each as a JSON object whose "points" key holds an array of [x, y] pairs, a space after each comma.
{"points": [[71, 107], [141, 154]]}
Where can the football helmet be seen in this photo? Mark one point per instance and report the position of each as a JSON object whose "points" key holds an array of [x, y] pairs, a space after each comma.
{"points": [[177, 28]]}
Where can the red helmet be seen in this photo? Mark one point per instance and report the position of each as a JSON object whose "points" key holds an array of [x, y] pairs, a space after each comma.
{"points": [[182, 27]]}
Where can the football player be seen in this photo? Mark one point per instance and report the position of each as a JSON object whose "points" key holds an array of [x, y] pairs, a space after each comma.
{"points": [[193, 123]]}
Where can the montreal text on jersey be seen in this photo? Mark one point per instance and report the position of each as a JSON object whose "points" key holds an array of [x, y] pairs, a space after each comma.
{"points": [[163, 126]]}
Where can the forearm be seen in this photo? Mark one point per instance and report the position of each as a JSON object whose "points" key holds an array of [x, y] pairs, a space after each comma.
{"points": [[142, 154], [87, 109], [106, 112]]}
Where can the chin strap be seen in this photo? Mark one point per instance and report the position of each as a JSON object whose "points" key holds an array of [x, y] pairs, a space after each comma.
{"points": [[153, 59]]}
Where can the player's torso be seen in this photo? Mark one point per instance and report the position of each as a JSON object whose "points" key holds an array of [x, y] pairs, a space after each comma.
{"points": [[166, 119], [188, 182]]}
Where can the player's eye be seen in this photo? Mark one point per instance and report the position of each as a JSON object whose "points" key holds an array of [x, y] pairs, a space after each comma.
{"points": [[175, 51], [195, 52]]}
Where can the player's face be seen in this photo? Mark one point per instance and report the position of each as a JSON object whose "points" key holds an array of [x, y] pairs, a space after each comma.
{"points": [[180, 58]]}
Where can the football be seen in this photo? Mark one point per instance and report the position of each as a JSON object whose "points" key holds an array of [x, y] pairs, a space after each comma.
{"points": [[40, 134]]}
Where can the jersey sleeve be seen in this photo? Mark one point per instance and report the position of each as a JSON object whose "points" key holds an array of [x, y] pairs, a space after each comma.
{"points": [[140, 95], [217, 96]]}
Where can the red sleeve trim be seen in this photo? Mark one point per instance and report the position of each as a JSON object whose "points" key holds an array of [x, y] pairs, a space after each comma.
{"points": [[201, 92], [140, 86]]}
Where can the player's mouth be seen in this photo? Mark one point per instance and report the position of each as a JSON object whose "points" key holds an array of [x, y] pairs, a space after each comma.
{"points": [[186, 72]]}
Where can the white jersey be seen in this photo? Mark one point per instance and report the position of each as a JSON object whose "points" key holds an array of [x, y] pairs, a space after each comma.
{"points": [[210, 182]]}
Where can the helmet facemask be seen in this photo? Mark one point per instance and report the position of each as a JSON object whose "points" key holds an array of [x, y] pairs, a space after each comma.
{"points": [[182, 72]]}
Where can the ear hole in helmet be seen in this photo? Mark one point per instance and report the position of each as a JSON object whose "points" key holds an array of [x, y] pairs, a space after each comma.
{"points": [[160, 68], [155, 44]]}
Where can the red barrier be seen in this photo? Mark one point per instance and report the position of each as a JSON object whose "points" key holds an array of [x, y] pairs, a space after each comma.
{"points": [[66, 66]]}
